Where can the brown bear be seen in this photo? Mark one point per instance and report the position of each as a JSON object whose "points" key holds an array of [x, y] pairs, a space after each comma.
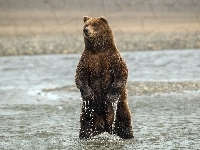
{"points": [[101, 76]]}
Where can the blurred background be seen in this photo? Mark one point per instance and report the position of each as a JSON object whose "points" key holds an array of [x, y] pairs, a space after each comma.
{"points": [[30, 27]]}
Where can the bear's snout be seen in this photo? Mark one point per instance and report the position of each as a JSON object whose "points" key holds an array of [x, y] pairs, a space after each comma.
{"points": [[85, 30]]}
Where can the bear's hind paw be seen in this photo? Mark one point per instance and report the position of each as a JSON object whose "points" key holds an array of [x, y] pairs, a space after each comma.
{"points": [[125, 134]]}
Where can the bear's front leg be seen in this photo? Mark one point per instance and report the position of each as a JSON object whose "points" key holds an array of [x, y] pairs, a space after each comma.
{"points": [[113, 95], [87, 93]]}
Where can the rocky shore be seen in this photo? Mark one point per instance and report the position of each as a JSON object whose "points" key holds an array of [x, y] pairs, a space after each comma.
{"points": [[144, 88], [64, 44], [148, 88]]}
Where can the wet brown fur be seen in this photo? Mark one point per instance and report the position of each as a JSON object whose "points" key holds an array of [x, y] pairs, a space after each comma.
{"points": [[101, 76]]}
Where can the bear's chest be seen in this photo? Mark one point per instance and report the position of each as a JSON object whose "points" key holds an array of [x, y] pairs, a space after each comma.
{"points": [[99, 66]]}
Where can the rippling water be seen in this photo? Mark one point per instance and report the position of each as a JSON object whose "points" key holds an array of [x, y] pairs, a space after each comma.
{"points": [[31, 118], [159, 121]]}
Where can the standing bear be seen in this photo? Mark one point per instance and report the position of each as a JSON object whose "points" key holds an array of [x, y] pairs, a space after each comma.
{"points": [[101, 76]]}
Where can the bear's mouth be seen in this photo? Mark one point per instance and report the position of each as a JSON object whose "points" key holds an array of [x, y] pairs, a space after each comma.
{"points": [[85, 34]]}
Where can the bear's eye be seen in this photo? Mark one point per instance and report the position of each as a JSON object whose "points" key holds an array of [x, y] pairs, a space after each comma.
{"points": [[95, 25]]}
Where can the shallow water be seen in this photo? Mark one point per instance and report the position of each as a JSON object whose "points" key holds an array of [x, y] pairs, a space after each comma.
{"points": [[33, 116], [168, 121]]}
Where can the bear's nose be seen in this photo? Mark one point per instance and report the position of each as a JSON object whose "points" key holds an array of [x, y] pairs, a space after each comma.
{"points": [[85, 30]]}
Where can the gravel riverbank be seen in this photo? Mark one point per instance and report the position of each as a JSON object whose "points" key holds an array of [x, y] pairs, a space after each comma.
{"points": [[144, 88], [64, 44]]}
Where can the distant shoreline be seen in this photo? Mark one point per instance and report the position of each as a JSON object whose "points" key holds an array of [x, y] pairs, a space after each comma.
{"points": [[70, 43], [55, 27]]}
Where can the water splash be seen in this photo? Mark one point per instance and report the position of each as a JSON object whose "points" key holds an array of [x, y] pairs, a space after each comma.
{"points": [[114, 105], [86, 104]]}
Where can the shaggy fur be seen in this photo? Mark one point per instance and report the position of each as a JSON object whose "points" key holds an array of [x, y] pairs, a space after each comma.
{"points": [[101, 76]]}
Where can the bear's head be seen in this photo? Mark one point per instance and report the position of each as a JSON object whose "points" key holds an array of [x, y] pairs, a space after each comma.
{"points": [[97, 33]]}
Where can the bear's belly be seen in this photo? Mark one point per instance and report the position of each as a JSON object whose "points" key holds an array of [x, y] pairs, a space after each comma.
{"points": [[100, 75], [100, 84]]}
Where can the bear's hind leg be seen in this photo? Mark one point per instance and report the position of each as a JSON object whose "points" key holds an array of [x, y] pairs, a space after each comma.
{"points": [[91, 124], [123, 126], [109, 119]]}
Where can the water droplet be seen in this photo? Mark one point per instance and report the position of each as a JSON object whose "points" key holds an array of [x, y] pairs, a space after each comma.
{"points": [[59, 108], [114, 104]]}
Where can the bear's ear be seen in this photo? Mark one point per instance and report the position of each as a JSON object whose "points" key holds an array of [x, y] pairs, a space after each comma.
{"points": [[85, 18], [104, 19]]}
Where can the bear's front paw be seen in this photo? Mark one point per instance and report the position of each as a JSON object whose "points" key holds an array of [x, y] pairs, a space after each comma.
{"points": [[87, 94], [112, 97]]}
